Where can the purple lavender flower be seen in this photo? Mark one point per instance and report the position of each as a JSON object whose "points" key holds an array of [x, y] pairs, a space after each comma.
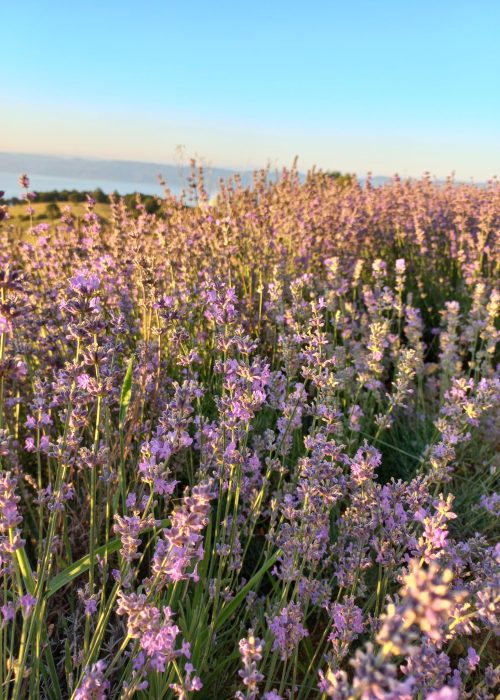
{"points": [[27, 602], [8, 612], [445, 693], [190, 684], [334, 684], [251, 653], [129, 527], [375, 677], [491, 503], [153, 629], [10, 518], [179, 550], [287, 629], [347, 624], [429, 599], [93, 686], [24, 181]]}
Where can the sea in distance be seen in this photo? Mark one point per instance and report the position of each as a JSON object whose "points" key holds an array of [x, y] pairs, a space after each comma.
{"points": [[46, 183]]}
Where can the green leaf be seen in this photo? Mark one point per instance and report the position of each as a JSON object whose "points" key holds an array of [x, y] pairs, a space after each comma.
{"points": [[79, 567], [25, 568], [126, 393], [29, 583], [82, 565], [238, 599]]}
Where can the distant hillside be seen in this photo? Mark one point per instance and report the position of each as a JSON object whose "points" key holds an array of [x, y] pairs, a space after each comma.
{"points": [[108, 170], [55, 172]]}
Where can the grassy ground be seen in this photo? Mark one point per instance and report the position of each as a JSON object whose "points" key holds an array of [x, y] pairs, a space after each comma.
{"points": [[21, 220]]}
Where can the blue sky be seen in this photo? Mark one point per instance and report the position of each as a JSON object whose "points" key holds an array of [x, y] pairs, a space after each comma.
{"points": [[387, 86]]}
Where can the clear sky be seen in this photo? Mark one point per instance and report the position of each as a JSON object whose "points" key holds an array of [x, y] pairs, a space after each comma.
{"points": [[360, 85]]}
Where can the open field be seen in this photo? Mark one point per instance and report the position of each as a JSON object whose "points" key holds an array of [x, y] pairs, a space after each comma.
{"points": [[18, 211], [21, 220], [250, 449]]}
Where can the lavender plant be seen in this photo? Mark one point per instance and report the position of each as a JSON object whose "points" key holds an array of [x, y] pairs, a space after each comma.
{"points": [[249, 449]]}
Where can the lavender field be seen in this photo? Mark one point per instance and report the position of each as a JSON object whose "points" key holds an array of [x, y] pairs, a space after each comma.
{"points": [[249, 446]]}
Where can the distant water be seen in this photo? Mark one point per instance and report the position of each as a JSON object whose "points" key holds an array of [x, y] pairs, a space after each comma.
{"points": [[45, 183]]}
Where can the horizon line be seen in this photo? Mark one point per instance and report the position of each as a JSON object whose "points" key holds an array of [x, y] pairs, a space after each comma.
{"points": [[207, 166]]}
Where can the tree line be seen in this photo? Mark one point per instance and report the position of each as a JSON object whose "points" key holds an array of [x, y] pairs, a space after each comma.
{"points": [[55, 197]]}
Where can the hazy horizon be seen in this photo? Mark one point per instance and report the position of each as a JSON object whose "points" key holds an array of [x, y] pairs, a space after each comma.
{"points": [[208, 165]]}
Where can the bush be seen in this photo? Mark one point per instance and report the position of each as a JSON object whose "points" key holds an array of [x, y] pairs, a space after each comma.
{"points": [[52, 211]]}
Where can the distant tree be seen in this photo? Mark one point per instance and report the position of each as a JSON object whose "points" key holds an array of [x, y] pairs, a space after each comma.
{"points": [[151, 205], [100, 196], [325, 176], [51, 196], [130, 201], [52, 210], [333, 174], [341, 178]]}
